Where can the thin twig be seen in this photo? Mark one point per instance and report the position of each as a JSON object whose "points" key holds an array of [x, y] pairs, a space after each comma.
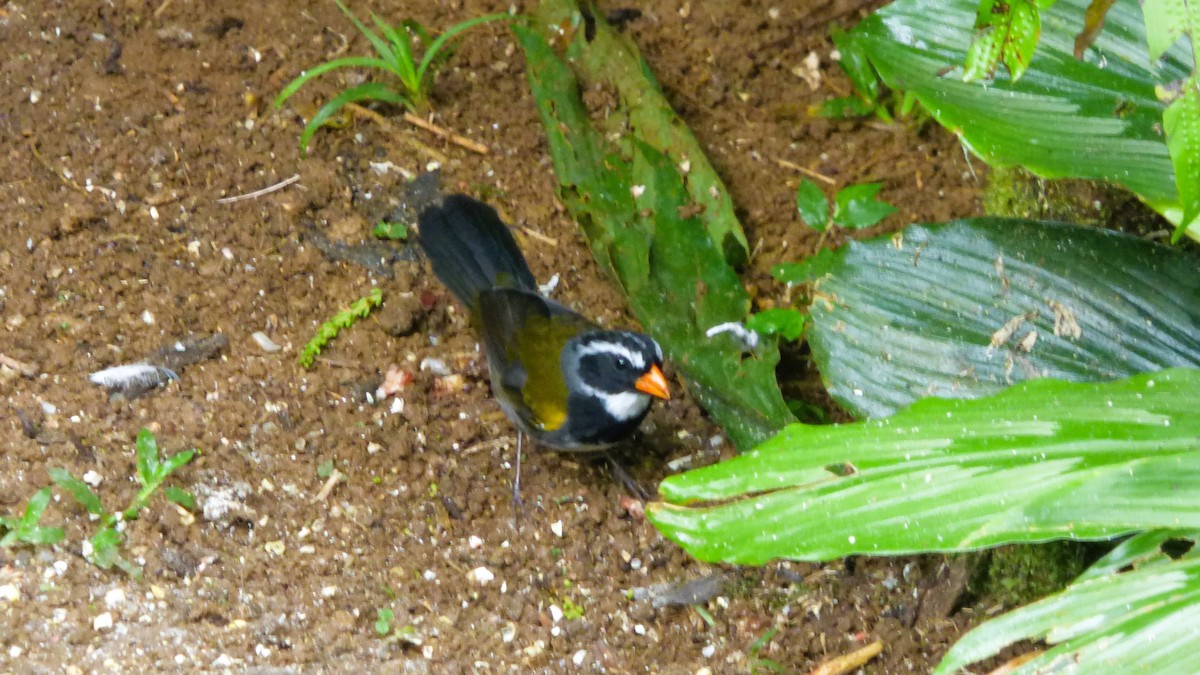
{"points": [[25, 369], [454, 138], [50, 167], [806, 171], [487, 445], [849, 662], [391, 128], [539, 236], [162, 8], [330, 482], [258, 193]]}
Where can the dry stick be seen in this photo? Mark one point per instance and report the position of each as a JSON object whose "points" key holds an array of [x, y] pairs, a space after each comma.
{"points": [[539, 236], [806, 171], [25, 369], [330, 482], [50, 167], [391, 128], [454, 138], [258, 193], [848, 662]]}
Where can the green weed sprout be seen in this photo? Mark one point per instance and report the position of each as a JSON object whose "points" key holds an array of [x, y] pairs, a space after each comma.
{"points": [[390, 230], [152, 471], [25, 530], [359, 309], [854, 207], [383, 624], [395, 57]]}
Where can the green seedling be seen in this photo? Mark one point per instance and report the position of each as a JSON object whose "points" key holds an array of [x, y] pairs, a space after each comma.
{"points": [[784, 322], [854, 207], [757, 664], [870, 96], [383, 624], [571, 611], [25, 530], [387, 230], [359, 309], [413, 76], [104, 546]]}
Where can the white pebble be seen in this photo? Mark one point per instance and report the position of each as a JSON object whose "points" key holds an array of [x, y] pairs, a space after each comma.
{"points": [[147, 317], [10, 592], [114, 598], [92, 478], [708, 650], [222, 661], [639, 629], [429, 575], [436, 366], [578, 657], [637, 191], [102, 622], [397, 406], [262, 650], [329, 591], [14, 652], [264, 342], [556, 614], [49, 408], [482, 576], [474, 542], [557, 528]]}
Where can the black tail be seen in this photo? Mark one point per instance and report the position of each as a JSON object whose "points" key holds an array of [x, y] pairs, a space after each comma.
{"points": [[471, 249]]}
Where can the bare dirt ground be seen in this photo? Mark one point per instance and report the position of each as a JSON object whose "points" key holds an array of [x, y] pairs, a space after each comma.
{"points": [[123, 123]]}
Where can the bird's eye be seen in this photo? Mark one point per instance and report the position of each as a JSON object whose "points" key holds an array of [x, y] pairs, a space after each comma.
{"points": [[622, 363]]}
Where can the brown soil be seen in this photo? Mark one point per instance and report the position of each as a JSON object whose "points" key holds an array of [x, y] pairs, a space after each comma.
{"points": [[123, 123]]}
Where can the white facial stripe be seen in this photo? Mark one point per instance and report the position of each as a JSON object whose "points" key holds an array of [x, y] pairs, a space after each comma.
{"points": [[623, 406], [616, 349]]}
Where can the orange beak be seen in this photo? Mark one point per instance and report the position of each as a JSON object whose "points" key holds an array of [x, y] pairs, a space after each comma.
{"points": [[653, 383]]}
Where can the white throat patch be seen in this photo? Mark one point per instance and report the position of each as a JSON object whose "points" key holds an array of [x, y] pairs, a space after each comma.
{"points": [[626, 405]]}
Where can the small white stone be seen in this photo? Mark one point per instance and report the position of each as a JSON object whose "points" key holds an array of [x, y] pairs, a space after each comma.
{"points": [[474, 542], [429, 575], [147, 317], [49, 408], [114, 598], [556, 614], [265, 343], [639, 629], [708, 650], [102, 622], [92, 478], [557, 528], [222, 661], [262, 650], [153, 213], [14, 652], [578, 657], [60, 567], [482, 575], [509, 632], [193, 247], [10, 592], [397, 406], [637, 191], [373, 448], [329, 591]]}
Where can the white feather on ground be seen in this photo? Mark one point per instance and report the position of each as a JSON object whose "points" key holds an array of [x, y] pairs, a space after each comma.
{"points": [[132, 376]]}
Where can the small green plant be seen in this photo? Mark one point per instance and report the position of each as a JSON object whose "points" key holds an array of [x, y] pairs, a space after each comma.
{"points": [[103, 549], [383, 624], [854, 207], [757, 664], [571, 611], [388, 230], [782, 321], [870, 96], [359, 309], [25, 530], [395, 56]]}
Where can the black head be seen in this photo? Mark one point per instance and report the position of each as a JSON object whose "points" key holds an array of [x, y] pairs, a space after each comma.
{"points": [[621, 369]]}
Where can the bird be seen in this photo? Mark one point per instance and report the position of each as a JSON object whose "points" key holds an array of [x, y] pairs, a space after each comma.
{"points": [[561, 379]]}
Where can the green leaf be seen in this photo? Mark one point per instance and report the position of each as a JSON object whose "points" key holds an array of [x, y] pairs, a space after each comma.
{"points": [[147, 457], [857, 67], [813, 207], [926, 312], [655, 214], [383, 624], [434, 49], [1166, 22], [1181, 122], [317, 71], [381, 46], [36, 506], [1096, 118], [846, 107], [363, 92], [1141, 621], [78, 490], [1042, 460], [404, 68], [173, 463], [181, 497], [386, 230], [857, 207], [787, 323]]}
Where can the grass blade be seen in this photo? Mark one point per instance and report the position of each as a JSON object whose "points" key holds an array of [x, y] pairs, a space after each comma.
{"points": [[433, 49], [347, 62], [369, 91], [381, 46]]}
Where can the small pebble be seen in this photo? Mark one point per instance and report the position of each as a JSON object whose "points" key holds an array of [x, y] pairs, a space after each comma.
{"points": [[482, 575], [102, 622], [264, 342], [474, 542], [92, 478], [114, 598], [10, 592], [557, 528], [578, 657], [556, 614]]}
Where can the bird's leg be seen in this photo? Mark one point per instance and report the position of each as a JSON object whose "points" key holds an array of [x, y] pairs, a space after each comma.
{"points": [[516, 495], [625, 479]]}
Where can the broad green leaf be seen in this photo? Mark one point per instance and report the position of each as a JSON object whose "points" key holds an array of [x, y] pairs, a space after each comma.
{"points": [[812, 205], [77, 489], [1141, 550], [786, 323], [1166, 22], [1042, 460], [949, 310], [856, 206], [856, 66], [174, 462], [655, 213], [1142, 621], [1096, 118]]}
